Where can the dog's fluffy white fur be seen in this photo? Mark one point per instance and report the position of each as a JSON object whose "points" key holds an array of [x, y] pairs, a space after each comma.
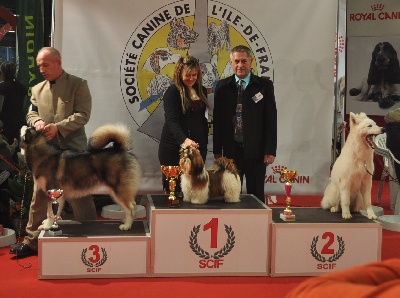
{"points": [[199, 184], [351, 176]]}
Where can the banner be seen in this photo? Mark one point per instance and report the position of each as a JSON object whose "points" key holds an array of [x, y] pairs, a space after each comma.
{"points": [[29, 41], [127, 52], [373, 84]]}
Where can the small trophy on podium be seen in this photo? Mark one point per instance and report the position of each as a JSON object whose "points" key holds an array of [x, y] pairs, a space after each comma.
{"points": [[288, 176], [54, 194], [171, 173]]}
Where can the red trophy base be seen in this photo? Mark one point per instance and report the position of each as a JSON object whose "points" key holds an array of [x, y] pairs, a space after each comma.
{"points": [[287, 216]]}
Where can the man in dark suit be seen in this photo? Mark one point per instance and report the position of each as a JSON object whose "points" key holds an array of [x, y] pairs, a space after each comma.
{"points": [[245, 121]]}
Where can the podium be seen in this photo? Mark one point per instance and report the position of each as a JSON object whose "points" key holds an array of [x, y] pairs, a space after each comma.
{"points": [[320, 241], [214, 239], [95, 249]]}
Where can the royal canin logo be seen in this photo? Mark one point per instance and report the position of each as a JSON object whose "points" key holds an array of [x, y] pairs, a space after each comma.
{"points": [[377, 14], [276, 176]]}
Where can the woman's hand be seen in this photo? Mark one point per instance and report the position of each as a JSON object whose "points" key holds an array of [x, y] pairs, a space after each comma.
{"points": [[189, 143]]}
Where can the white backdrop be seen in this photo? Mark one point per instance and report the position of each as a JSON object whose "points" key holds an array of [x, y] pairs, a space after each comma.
{"points": [[111, 44]]}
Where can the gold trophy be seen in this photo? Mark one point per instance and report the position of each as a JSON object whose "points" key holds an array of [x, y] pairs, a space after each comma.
{"points": [[171, 173], [288, 176]]}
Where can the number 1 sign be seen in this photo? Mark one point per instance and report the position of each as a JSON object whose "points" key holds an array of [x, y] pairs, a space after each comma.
{"points": [[219, 242]]}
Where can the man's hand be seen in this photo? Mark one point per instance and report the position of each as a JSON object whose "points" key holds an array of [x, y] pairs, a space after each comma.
{"points": [[269, 159], [39, 125], [50, 131]]}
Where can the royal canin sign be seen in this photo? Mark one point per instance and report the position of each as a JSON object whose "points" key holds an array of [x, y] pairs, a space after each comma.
{"points": [[377, 14]]}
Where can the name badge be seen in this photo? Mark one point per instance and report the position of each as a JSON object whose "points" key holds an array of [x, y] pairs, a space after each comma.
{"points": [[257, 97]]}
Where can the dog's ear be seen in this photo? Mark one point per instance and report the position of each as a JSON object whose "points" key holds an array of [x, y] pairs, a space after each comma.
{"points": [[197, 164], [28, 134], [357, 118], [23, 131], [353, 119], [373, 72]]}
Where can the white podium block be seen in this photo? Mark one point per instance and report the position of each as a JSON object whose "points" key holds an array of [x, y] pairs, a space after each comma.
{"points": [[95, 249], [214, 239], [320, 241]]}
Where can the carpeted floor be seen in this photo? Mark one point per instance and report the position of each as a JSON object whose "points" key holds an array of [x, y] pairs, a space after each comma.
{"points": [[19, 278]]}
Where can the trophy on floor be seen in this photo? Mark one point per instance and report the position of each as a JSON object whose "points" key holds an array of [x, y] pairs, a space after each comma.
{"points": [[54, 194], [171, 173], [289, 177]]}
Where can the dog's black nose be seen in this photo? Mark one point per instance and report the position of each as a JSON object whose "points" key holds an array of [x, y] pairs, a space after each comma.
{"points": [[383, 130]]}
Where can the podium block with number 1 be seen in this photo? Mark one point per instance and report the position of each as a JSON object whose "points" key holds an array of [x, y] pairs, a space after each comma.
{"points": [[217, 238]]}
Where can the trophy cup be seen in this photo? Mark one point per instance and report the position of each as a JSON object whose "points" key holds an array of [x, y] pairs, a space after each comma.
{"points": [[288, 176], [54, 194], [171, 173]]}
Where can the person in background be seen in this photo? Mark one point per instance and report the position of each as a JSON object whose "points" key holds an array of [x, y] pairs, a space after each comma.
{"points": [[185, 107], [61, 106], [392, 119], [245, 121], [6, 153], [4, 141], [13, 96]]}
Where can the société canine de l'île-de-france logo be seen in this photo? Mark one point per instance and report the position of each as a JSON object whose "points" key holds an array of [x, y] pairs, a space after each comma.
{"points": [[211, 257], [331, 250], [377, 13], [94, 257], [207, 30]]}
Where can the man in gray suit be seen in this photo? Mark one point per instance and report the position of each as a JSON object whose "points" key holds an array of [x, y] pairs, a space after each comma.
{"points": [[61, 107]]}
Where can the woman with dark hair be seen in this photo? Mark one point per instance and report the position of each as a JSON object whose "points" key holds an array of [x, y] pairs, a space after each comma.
{"points": [[185, 110], [13, 95]]}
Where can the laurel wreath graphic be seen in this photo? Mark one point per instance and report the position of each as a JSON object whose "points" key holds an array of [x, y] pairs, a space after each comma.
{"points": [[99, 263], [226, 249], [331, 259], [340, 251]]}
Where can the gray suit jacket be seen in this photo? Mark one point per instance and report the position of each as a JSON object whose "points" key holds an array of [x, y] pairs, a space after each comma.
{"points": [[68, 104]]}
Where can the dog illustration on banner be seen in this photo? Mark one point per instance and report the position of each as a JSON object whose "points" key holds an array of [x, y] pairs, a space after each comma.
{"points": [[79, 174], [160, 58], [351, 176], [180, 36], [383, 82], [199, 184]]}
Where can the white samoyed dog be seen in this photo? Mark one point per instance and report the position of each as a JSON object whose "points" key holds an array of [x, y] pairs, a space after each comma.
{"points": [[351, 176]]}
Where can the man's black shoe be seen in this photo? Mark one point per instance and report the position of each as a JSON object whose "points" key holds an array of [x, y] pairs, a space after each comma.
{"points": [[23, 250]]}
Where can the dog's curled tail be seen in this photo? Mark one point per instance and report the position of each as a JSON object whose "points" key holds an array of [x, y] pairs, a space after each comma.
{"points": [[223, 163], [117, 133]]}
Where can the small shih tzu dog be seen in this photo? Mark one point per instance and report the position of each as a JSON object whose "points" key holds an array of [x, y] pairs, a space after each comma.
{"points": [[199, 184]]}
